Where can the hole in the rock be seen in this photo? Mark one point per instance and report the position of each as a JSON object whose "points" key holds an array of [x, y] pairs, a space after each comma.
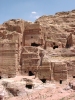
{"points": [[1, 97], [30, 73], [54, 47], [9, 76], [28, 86], [25, 71], [43, 80], [73, 76], [60, 81], [67, 46], [21, 43], [0, 77], [31, 36], [35, 44]]}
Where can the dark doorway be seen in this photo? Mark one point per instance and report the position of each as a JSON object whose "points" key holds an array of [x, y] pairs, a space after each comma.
{"points": [[54, 47], [28, 86], [30, 73], [35, 44], [0, 77], [67, 46], [60, 81], [1, 97], [73, 76], [43, 80]]}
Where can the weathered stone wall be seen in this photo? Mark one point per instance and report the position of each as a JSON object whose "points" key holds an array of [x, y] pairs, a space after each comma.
{"points": [[71, 68], [8, 59], [60, 71], [32, 34], [32, 38], [50, 43], [32, 26], [30, 65], [56, 70], [44, 71], [29, 49], [29, 59]]}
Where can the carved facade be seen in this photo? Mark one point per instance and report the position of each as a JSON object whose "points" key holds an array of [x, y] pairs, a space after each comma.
{"points": [[32, 35], [9, 55], [60, 71], [8, 59], [44, 71], [30, 57]]}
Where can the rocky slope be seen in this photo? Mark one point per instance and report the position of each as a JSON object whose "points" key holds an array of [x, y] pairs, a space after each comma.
{"points": [[57, 27], [12, 26]]}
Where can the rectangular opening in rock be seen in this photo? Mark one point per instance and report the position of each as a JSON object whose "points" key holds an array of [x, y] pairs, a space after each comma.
{"points": [[29, 86], [54, 47], [43, 80], [30, 73], [73, 76], [0, 77], [60, 81], [35, 44]]}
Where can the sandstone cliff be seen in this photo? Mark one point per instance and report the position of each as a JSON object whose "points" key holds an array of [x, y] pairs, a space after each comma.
{"points": [[59, 63], [12, 26], [55, 28], [59, 26]]}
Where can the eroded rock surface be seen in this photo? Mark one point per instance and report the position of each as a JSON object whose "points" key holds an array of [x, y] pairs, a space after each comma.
{"points": [[57, 27], [49, 56]]}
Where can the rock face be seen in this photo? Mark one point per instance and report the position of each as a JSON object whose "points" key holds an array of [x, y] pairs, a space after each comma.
{"points": [[32, 35], [55, 36], [52, 28], [15, 25], [43, 49], [8, 59], [12, 26], [60, 73], [30, 60], [59, 26]]}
